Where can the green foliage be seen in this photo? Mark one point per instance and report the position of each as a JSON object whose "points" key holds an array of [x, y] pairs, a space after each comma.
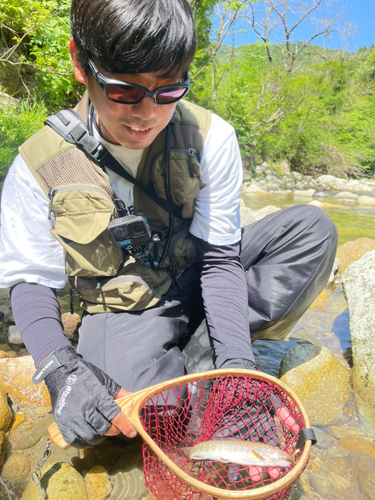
{"points": [[16, 125]]}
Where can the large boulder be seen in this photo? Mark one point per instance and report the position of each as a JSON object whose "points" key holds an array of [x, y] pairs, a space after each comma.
{"points": [[322, 383], [352, 251], [15, 377], [358, 283], [62, 482], [366, 201]]}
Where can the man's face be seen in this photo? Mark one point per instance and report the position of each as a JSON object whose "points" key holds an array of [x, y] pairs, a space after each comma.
{"points": [[133, 126]]}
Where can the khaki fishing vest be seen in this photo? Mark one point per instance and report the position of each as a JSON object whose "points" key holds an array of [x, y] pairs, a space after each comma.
{"points": [[81, 203]]}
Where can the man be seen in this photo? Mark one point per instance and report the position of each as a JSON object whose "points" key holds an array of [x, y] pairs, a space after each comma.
{"points": [[57, 204]]}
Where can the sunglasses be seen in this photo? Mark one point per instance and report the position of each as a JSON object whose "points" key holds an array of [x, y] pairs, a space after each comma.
{"points": [[128, 93]]}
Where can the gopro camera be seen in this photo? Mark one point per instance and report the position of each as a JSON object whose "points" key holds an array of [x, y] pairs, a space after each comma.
{"points": [[131, 230]]}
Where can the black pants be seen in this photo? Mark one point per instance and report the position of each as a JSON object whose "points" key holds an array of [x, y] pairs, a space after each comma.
{"points": [[288, 257]]}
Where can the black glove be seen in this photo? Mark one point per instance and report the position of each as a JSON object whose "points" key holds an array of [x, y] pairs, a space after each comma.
{"points": [[82, 397]]}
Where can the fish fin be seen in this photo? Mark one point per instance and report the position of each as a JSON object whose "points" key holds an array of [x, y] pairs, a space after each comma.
{"points": [[258, 456], [186, 451], [224, 460]]}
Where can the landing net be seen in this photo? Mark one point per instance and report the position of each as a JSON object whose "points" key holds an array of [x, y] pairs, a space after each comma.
{"points": [[216, 408]]}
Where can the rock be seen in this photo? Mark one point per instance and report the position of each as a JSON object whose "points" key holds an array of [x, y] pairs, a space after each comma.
{"points": [[334, 271], [308, 193], [323, 486], [63, 483], [358, 283], [253, 188], [284, 167], [247, 216], [353, 250], [4, 310], [263, 212], [15, 377], [3, 355], [331, 181], [2, 446], [346, 196], [16, 468], [18, 420], [366, 201], [320, 194], [97, 482], [323, 385], [355, 446], [316, 203], [5, 411], [71, 324], [323, 441], [31, 436], [14, 336], [296, 356]]}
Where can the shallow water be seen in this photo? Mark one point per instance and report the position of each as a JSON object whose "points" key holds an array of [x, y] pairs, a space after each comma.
{"points": [[351, 220]]}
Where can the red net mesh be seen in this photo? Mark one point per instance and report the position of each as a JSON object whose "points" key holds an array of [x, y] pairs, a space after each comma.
{"points": [[215, 409]]}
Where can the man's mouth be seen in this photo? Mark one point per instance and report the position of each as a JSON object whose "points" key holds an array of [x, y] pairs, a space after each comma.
{"points": [[139, 129]]}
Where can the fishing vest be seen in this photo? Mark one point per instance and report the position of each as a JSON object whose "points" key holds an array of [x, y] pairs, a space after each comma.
{"points": [[81, 202]]}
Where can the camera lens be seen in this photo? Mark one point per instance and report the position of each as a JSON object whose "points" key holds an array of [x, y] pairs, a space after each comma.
{"points": [[137, 229], [121, 233]]}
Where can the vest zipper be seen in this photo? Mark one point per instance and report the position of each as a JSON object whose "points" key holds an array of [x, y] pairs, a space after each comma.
{"points": [[51, 194], [192, 153]]}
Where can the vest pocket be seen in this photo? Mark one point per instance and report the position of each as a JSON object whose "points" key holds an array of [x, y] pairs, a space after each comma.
{"points": [[184, 177], [82, 215]]}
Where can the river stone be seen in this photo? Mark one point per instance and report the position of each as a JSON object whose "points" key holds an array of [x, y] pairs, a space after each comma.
{"points": [[15, 377], [359, 288], [2, 446], [31, 436], [5, 411], [14, 336], [298, 355], [346, 195], [307, 193], [16, 468], [252, 188], [323, 486], [323, 441], [366, 201], [246, 216], [323, 385], [335, 268], [320, 194], [97, 483], [356, 445], [316, 203], [352, 251], [63, 483], [71, 323], [263, 212]]}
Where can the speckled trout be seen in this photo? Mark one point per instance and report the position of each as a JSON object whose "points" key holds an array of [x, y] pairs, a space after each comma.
{"points": [[235, 451]]}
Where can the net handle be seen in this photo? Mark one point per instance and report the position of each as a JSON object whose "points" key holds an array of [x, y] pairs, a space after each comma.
{"points": [[131, 406]]}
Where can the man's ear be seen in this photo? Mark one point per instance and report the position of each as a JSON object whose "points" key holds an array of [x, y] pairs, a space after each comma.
{"points": [[78, 71]]}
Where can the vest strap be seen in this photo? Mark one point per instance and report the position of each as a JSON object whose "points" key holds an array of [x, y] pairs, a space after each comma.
{"points": [[71, 127]]}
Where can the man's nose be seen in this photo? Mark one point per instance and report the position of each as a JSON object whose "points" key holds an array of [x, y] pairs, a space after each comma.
{"points": [[146, 109]]}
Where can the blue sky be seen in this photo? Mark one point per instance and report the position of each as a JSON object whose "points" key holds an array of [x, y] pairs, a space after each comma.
{"points": [[359, 13]]}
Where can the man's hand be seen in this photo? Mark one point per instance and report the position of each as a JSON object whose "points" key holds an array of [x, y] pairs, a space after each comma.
{"points": [[120, 423], [83, 403]]}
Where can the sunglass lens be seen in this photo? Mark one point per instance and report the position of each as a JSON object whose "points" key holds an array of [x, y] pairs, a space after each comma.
{"points": [[169, 96], [126, 94]]}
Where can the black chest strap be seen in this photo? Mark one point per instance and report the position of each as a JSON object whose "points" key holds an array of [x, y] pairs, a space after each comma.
{"points": [[71, 127]]}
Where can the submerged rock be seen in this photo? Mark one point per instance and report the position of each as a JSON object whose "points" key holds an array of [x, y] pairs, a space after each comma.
{"points": [[296, 356], [15, 377], [16, 468], [5, 411], [323, 385], [62, 482], [97, 482], [359, 288], [353, 250]]}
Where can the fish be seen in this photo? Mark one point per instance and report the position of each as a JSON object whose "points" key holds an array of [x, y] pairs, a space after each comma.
{"points": [[236, 451]]}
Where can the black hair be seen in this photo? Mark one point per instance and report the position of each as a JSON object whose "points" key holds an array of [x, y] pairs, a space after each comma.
{"points": [[135, 36]]}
